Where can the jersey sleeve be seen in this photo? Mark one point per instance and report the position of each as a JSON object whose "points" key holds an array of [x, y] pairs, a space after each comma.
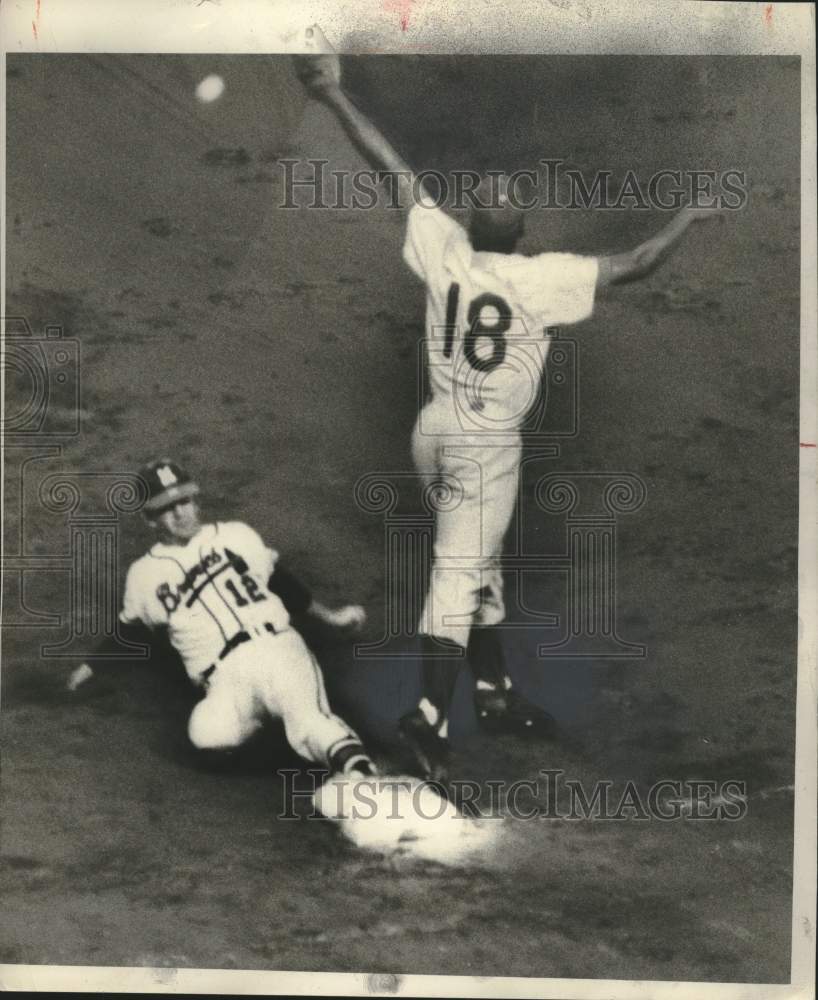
{"points": [[429, 231], [561, 288], [140, 604]]}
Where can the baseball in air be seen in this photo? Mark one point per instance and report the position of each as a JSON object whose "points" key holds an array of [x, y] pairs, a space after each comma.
{"points": [[210, 89]]}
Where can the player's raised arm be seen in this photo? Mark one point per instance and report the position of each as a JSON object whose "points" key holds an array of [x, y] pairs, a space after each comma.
{"points": [[321, 75], [631, 265]]}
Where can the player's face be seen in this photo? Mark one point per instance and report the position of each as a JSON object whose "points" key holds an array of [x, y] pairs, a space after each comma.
{"points": [[180, 521]]}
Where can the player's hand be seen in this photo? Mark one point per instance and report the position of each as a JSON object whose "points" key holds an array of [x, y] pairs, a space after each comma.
{"points": [[319, 73], [351, 616], [79, 676]]}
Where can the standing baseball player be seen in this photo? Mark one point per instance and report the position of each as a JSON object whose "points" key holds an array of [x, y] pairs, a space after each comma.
{"points": [[225, 602], [487, 312]]}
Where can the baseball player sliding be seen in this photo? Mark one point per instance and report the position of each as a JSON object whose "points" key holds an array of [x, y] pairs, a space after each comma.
{"points": [[487, 310], [226, 603]]}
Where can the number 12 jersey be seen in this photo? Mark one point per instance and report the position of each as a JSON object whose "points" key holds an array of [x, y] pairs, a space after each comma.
{"points": [[205, 591]]}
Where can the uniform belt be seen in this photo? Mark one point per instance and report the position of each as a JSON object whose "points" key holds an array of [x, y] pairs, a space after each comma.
{"points": [[230, 645]]}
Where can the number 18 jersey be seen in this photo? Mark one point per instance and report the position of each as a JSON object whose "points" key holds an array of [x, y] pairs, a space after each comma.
{"points": [[487, 314]]}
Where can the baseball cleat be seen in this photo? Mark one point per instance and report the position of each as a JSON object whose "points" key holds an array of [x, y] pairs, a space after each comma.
{"points": [[430, 750], [507, 711]]}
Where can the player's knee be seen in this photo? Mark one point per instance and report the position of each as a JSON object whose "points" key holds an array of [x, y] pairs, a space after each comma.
{"points": [[455, 592], [208, 731], [492, 609]]}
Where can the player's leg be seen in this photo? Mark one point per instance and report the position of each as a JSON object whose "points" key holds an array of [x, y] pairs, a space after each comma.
{"points": [[226, 716], [499, 706], [449, 606], [292, 688], [485, 651], [425, 728], [426, 438]]}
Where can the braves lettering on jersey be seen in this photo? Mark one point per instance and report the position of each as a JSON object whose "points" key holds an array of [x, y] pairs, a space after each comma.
{"points": [[486, 314], [205, 591]]}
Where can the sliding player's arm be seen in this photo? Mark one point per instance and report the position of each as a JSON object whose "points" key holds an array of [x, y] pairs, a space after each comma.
{"points": [[109, 651], [142, 621], [298, 600]]}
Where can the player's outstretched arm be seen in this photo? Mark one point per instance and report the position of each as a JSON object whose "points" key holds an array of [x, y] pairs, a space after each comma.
{"points": [[135, 634], [351, 616], [321, 75], [617, 269], [298, 600]]}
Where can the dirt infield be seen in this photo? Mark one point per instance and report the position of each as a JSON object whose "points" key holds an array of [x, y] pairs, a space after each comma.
{"points": [[274, 352]]}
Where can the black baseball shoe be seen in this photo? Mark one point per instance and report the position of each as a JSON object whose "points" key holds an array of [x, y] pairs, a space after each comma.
{"points": [[431, 751], [506, 711]]}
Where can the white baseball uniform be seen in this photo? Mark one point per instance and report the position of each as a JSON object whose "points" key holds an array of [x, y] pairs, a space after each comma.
{"points": [[235, 639], [486, 320]]}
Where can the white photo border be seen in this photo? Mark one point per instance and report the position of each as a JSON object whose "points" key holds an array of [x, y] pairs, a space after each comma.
{"points": [[657, 27]]}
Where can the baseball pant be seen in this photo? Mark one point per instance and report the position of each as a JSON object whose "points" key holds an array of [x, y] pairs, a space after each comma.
{"points": [[466, 585], [270, 675]]}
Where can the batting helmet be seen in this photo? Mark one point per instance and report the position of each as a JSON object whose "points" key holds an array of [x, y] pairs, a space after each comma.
{"points": [[166, 482]]}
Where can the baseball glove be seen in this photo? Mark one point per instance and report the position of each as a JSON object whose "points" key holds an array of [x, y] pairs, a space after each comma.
{"points": [[318, 73]]}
